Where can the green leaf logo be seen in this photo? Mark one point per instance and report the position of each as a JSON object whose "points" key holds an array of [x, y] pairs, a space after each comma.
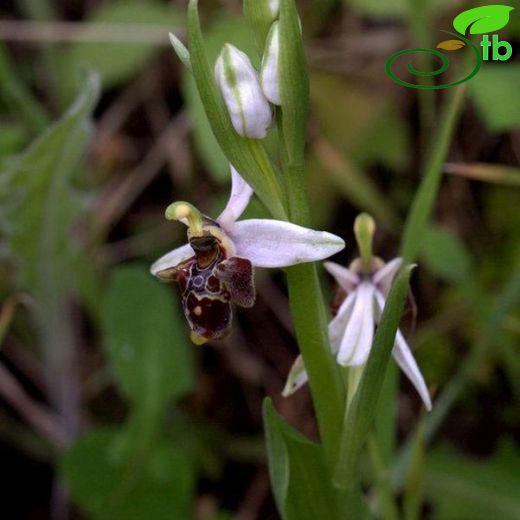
{"points": [[480, 20]]}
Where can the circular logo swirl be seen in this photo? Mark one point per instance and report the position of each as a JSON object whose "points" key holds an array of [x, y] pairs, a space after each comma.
{"points": [[439, 70]]}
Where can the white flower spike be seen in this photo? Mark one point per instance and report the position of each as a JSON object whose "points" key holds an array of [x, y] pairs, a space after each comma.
{"points": [[239, 84], [215, 268], [351, 331]]}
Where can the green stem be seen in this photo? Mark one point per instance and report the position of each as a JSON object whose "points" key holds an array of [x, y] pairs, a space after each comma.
{"points": [[310, 322], [306, 299], [354, 378]]}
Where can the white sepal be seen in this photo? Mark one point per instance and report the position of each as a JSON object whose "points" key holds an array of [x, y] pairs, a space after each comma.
{"points": [[404, 358], [274, 243], [297, 377], [172, 259], [269, 73], [346, 279], [384, 277]]}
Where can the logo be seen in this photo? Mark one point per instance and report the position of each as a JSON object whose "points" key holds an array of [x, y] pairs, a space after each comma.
{"points": [[480, 20]]}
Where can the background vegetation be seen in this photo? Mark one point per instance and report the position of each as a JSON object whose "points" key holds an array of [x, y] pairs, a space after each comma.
{"points": [[106, 410]]}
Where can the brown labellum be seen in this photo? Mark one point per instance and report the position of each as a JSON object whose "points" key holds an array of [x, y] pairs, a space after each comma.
{"points": [[210, 283]]}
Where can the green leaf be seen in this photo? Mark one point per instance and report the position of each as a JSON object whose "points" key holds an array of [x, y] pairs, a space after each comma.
{"points": [[12, 136], [145, 339], [299, 478], [445, 255], [224, 30], [38, 203], [360, 414], [413, 492], [117, 62], [393, 9], [419, 214], [101, 482], [463, 487], [246, 155], [211, 154], [495, 94], [294, 83], [480, 20], [259, 16]]}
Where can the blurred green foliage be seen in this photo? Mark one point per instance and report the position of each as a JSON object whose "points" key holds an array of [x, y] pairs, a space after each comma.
{"points": [[364, 151], [117, 62], [463, 487], [495, 94], [225, 29]]}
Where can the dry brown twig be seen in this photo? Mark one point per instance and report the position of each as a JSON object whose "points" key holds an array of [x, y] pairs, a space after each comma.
{"points": [[43, 421]]}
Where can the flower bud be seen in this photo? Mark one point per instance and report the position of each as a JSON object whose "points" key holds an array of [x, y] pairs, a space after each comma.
{"points": [[274, 8], [269, 74], [239, 84]]}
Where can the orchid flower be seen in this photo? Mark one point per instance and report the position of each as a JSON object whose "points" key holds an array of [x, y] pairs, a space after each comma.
{"points": [[364, 287], [215, 267]]}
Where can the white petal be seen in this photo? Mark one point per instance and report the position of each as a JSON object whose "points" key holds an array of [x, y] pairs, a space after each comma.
{"points": [[345, 278], [384, 277], [171, 259], [357, 341], [404, 358], [238, 200], [239, 84], [273, 243], [339, 322], [297, 377]]}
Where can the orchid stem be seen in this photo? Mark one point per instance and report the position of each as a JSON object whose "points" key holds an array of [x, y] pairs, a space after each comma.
{"points": [[310, 323]]}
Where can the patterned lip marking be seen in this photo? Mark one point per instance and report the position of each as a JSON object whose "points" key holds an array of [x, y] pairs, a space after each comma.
{"points": [[198, 281]]}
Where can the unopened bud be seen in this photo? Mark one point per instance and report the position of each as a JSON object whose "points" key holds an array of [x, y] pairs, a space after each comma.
{"points": [[274, 8], [239, 84], [269, 74]]}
